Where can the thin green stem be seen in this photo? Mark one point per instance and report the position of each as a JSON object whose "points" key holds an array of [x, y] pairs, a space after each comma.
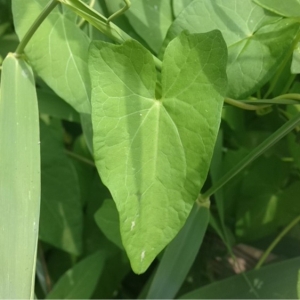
{"points": [[289, 96], [289, 83], [269, 142], [276, 241], [46, 11], [243, 105], [120, 12], [81, 158]]}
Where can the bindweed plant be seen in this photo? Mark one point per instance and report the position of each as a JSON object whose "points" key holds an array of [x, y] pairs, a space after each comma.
{"points": [[133, 133]]}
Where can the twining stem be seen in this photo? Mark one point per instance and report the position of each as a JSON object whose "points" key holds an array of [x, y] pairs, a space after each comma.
{"points": [[241, 104], [36, 24], [256, 104], [120, 12], [276, 241], [289, 96], [269, 142]]}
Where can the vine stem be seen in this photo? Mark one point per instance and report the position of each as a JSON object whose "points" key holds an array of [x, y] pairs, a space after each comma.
{"points": [[276, 241], [46, 11], [245, 106], [268, 143]]}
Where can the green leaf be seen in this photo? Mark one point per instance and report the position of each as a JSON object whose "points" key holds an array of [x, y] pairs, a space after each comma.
{"points": [[80, 281], [61, 214], [295, 67], [51, 105], [151, 20], [256, 40], [277, 281], [19, 179], [290, 8], [180, 254], [258, 215], [58, 52], [180, 5], [107, 219], [298, 285], [154, 154]]}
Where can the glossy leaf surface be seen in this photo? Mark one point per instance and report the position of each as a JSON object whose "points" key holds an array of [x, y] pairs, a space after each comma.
{"points": [[154, 154]]}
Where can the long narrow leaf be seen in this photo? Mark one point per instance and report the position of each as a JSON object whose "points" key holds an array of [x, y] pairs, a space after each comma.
{"points": [[180, 255], [19, 179], [277, 281]]}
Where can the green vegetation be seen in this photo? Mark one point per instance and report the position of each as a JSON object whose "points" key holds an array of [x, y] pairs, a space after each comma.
{"points": [[149, 149]]}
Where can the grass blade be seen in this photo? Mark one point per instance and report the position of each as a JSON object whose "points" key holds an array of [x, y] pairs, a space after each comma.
{"points": [[180, 255], [19, 179]]}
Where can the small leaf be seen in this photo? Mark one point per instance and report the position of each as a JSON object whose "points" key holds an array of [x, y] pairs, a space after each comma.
{"points": [[154, 154], [58, 52]]}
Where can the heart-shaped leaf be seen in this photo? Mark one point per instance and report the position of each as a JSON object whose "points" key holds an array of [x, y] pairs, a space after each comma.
{"points": [[153, 152]]}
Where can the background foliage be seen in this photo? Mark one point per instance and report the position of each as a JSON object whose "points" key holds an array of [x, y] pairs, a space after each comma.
{"points": [[80, 251]]}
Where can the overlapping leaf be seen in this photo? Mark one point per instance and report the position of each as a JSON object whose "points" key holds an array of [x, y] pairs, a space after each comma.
{"points": [[58, 52], [61, 214], [257, 40], [154, 153], [151, 20], [80, 281], [290, 8]]}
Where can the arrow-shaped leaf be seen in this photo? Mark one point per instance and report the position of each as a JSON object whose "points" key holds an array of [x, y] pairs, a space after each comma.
{"points": [[152, 152]]}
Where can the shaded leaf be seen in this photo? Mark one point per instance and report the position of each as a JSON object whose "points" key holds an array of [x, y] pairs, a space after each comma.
{"points": [[61, 214], [277, 281], [50, 104], [151, 19], [80, 281], [107, 219], [58, 52]]}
